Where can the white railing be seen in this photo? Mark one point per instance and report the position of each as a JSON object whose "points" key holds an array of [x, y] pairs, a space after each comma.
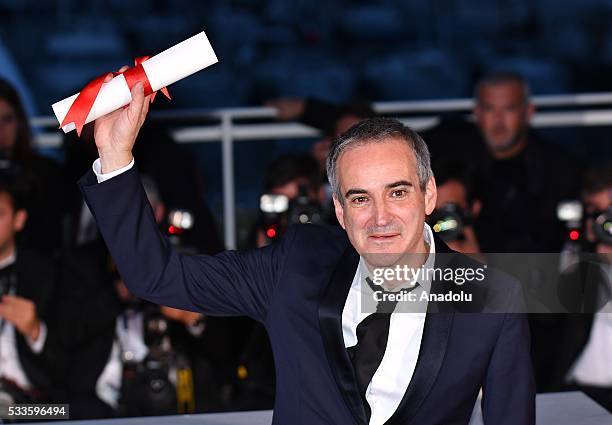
{"points": [[226, 130]]}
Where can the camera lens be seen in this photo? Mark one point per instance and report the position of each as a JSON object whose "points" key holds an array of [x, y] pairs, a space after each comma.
{"points": [[602, 227]]}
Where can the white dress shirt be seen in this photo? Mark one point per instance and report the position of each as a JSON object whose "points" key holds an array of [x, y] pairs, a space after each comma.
{"points": [[10, 366], [391, 379]]}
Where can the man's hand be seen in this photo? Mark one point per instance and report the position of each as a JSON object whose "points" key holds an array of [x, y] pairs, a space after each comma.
{"points": [[115, 133], [21, 313]]}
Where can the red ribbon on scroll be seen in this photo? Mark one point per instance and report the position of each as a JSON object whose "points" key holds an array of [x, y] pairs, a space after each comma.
{"points": [[80, 108]]}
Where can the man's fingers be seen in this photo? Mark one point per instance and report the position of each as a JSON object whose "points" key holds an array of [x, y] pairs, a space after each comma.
{"points": [[137, 103], [138, 92], [145, 109], [110, 76]]}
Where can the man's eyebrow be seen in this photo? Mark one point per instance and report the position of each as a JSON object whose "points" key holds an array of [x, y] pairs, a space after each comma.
{"points": [[358, 191], [398, 183], [355, 191]]}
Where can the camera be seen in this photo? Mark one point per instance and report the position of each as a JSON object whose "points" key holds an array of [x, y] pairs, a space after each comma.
{"points": [[278, 212], [180, 223], [146, 386], [146, 389], [571, 213], [602, 226], [449, 221]]}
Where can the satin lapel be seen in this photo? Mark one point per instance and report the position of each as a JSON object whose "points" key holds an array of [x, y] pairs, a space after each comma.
{"points": [[330, 322], [431, 354]]}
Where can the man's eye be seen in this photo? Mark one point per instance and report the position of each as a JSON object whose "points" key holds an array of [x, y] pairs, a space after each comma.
{"points": [[399, 193], [359, 200]]}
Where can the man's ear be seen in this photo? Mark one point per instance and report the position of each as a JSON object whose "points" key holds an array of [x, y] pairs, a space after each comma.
{"points": [[339, 211], [21, 216], [431, 194]]}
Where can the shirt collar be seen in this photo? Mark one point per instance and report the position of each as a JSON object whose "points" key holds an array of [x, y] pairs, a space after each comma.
{"points": [[8, 260]]}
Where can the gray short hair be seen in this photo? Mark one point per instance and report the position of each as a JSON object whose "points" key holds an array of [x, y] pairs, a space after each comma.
{"points": [[503, 77], [377, 130]]}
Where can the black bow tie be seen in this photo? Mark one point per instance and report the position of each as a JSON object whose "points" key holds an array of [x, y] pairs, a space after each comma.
{"points": [[372, 336], [386, 305]]}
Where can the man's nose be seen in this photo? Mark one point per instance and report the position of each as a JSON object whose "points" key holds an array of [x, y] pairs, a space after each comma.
{"points": [[497, 117], [382, 216]]}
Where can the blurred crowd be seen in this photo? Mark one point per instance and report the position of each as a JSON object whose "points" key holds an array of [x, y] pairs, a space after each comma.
{"points": [[70, 331]]}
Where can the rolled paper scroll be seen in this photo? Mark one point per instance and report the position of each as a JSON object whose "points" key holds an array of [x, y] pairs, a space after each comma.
{"points": [[157, 72]]}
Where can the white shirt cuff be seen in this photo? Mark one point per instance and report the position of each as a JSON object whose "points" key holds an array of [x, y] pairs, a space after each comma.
{"points": [[37, 346], [196, 330], [97, 169]]}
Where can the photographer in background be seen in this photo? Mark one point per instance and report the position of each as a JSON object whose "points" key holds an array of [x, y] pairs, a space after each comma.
{"points": [[456, 206], [28, 353], [522, 179], [291, 187], [586, 288]]}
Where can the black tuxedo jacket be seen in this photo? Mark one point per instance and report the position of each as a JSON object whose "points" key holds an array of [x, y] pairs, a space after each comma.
{"points": [[297, 288]]}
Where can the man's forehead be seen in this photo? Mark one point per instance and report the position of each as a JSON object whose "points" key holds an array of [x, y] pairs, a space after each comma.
{"points": [[509, 90], [377, 164]]}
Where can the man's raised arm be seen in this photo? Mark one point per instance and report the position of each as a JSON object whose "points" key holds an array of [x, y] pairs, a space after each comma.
{"points": [[230, 283]]}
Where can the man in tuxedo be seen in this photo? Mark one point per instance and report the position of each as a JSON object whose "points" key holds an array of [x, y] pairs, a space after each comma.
{"points": [[335, 363], [29, 354]]}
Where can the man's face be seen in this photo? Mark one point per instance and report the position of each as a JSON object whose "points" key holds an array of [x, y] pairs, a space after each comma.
{"points": [[10, 221], [384, 209], [8, 125], [502, 114], [595, 202]]}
